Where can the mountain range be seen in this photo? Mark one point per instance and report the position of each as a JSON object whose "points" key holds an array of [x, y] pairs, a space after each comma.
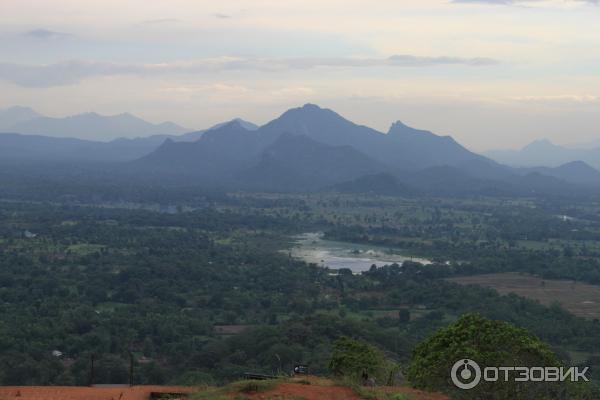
{"points": [[32, 137], [402, 147], [311, 148], [12, 116], [91, 126], [306, 148], [547, 154]]}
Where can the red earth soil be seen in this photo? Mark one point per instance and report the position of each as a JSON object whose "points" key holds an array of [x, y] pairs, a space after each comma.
{"points": [[308, 392], [417, 394], [85, 393], [315, 392]]}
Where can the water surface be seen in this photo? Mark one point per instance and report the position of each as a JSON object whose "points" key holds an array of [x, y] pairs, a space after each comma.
{"points": [[312, 248]]}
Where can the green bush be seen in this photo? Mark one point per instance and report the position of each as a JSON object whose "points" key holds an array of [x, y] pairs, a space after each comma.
{"points": [[489, 343], [353, 360]]}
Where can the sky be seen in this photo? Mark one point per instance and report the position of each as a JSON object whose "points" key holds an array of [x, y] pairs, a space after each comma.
{"points": [[491, 73]]}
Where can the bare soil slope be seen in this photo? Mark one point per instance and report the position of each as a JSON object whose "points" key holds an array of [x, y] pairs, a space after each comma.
{"points": [[86, 393]]}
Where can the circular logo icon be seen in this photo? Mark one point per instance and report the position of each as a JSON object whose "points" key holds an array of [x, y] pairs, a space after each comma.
{"points": [[466, 374]]}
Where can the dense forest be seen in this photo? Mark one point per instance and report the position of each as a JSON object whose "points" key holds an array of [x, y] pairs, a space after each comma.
{"points": [[203, 290]]}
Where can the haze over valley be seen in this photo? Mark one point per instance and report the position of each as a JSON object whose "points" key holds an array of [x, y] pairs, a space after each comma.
{"points": [[262, 199]]}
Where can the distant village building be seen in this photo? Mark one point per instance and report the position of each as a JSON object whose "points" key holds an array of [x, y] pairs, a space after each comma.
{"points": [[29, 235]]}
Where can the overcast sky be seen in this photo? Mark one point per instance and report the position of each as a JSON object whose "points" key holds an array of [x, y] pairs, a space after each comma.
{"points": [[492, 73]]}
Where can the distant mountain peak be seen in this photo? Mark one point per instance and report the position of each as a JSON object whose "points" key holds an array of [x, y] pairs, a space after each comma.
{"points": [[540, 144], [15, 115], [399, 128], [312, 110], [247, 125], [19, 108], [311, 106], [398, 125], [92, 125], [544, 153], [578, 165], [233, 124]]}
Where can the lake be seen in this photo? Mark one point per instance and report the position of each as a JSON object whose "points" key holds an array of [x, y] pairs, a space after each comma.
{"points": [[312, 248]]}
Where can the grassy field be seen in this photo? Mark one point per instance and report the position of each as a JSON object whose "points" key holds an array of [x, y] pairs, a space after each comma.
{"points": [[84, 249], [579, 298]]}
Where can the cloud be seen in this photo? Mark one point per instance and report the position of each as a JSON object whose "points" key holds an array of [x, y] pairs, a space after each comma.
{"points": [[221, 16], [161, 21], [281, 64], [562, 98], [45, 34], [66, 73], [224, 92], [408, 60], [59, 74]]}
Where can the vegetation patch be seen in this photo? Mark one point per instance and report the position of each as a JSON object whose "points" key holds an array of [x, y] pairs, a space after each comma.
{"points": [[579, 298], [489, 344]]}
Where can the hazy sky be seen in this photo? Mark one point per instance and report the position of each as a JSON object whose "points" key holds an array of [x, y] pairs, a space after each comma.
{"points": [[492, 73]]}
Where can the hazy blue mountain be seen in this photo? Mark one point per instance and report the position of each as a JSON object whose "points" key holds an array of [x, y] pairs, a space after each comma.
{"points": [[325, 126], [306, 148], [217, 155], [93, 126], [576, 172], [535, 183], [452, 181], [544, 153], [297, 162], [12, 116], [247, 125], [425, 149], [447, 180], [310, 143], [123, 149], [126, 149], [402, 148], [28, 148], [18, 148], [195, 135], [475, 177]]}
